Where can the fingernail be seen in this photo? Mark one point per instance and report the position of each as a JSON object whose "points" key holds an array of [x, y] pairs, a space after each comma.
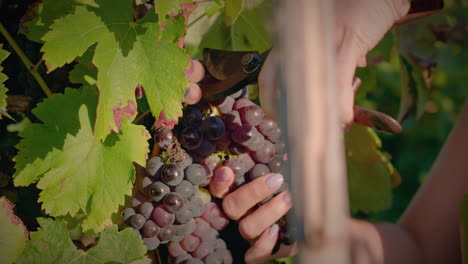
{"points": [[288, 198], [274, 230], [275, 180], [222, 175]]}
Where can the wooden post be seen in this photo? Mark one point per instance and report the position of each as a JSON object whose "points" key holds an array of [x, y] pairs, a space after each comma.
{"points": [[306, 61]]}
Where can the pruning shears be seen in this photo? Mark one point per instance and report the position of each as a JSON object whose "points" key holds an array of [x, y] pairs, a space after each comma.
{"points": [[233, 70]]}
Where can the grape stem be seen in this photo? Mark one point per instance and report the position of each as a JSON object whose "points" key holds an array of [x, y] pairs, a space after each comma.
{"points": [[139, 118], [32, 68]]}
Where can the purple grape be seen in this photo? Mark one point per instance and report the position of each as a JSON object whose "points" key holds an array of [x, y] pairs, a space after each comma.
{"points": [[266, 153], [185, 162], [206, 148], [153, 165], [251, 115], [236, 165], [241, 103], [239, 180], [190, 138], [270, 129], [162, 217], [146, 209], [212, 161], [258, 170], [192, 117], [244, 135], [184, 215], [196, 206], [224, 105], [249, 163], [163, 137], [192, 261], [171, 174], [204, 107], [137, 221], [181, 230], [181, 258], [166, 233], [173, 202], [186, 189], [213, 128], [177, 238], [257, 143], [237, 148], [190, 242], [276, 164], [150, 229], [232, 120], [225, 140], [280, 147], [220, 244], [195, 174], [151, 242], [174, 248], [128, 213], [157, 191]]}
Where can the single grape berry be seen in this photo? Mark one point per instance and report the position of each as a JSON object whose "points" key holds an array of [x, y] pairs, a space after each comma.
{"points": [[153, 165], [162, 217], [171, 174], [195, 174], [146, 209], [252, 115], [192, 117], [266, 153], [137, 221], [232, 120], [166, 233], [173, 202], [150, 229], [190, 138], [236, 165], [163, 137], [258, 170], [276, 164], [186, 189], [151, 242], [157, 191], [213, 128], [128, 213]]}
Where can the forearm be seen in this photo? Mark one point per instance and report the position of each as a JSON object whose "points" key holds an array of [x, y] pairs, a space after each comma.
{"points": [[428, 232]]}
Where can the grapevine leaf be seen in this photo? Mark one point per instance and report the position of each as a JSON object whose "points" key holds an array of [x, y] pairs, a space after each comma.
{"points": [[3, 90], [13, 234], [126, 55], [42, 14], [166, 7], [232, 10], [76, 172], [83, 75], [247, 33], [370, 173], [52, 244]]}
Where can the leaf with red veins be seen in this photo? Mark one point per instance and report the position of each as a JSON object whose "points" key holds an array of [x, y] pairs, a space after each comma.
{"points": [[127, 111], [162, 122], [13, 233]]}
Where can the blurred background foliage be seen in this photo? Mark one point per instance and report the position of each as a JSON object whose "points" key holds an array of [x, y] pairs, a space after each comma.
{"points": [[417, 74]]}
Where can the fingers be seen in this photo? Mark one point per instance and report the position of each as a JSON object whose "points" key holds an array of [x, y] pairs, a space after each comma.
{"points": [[236, 204], [261, 249], [222, 180], [254, 224]]}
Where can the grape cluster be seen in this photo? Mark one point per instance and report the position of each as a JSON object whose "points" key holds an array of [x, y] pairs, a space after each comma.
{"points": [[171, 207]]}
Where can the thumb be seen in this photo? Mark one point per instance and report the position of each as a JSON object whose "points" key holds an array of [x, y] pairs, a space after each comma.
{"points": [[221, 182]]}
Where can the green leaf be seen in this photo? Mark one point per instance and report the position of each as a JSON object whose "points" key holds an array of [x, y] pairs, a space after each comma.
{"points": [[52, 244], [249, 32], [76, 172], [3, 90], [126, 55], [166, 7], [370, 172], [232, 10], [13, 234], [83, 75]]}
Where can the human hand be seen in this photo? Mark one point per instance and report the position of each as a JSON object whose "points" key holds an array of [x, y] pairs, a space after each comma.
{"points": [[256, 224], [359, 26]]}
